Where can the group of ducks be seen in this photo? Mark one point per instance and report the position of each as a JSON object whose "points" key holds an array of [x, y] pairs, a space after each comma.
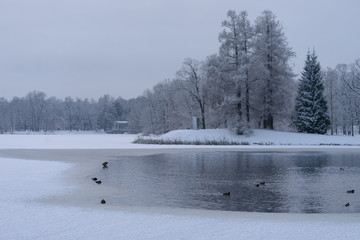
{"points": [[104, 164], [348, 191], [263, 183], [256, 185]]}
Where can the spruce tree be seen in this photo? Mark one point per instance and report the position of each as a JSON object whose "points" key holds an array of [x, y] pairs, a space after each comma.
{"points": [[311, 115]]}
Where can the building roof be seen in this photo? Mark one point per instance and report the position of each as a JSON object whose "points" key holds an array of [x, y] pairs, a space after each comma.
{"points": [[121, 121]]}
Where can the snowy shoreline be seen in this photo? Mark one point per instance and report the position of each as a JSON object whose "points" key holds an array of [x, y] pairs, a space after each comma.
{"points": [[56, 199], [255, 137]]}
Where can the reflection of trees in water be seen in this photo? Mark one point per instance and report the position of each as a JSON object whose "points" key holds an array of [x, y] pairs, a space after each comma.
{"points": [[310, 164], [238, 173], [309, 175]]}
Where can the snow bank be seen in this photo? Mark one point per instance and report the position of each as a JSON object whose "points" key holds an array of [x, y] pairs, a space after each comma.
{"points": [[124, 141], [23, 217], [66, 141], [256, 137]]}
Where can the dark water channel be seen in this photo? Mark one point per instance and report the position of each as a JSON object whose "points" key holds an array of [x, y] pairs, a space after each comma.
{"points": [[294, 182]]}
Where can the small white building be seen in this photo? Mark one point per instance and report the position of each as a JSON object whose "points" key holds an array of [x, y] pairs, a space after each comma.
{"points": [[120, 127]]}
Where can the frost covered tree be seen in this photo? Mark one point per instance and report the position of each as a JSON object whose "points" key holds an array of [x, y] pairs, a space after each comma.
{"points": [[4, 123], [311, 113], [54, 115], [217, 91], [235, 51], [350, 97], [70, 114], [193, 83], [160, 107], [273, 73], [334, 98], [354, 81], [106, 112], [37, 105]]}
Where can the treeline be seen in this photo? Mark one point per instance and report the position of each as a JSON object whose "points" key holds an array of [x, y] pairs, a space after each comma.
{"points": [[35, 112], [342, 89], [249, 83]]}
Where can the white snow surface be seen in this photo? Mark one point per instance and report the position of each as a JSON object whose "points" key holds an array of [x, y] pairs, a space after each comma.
{"points": [[256, 138], [259, 137], [23, 214], [66, 141]]}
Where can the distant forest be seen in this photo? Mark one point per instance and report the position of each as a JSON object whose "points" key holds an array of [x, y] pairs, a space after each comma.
{"points": [[249, 83]]}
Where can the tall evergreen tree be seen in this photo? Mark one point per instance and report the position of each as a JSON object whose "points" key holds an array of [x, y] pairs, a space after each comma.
{"points": [[311, 113]]}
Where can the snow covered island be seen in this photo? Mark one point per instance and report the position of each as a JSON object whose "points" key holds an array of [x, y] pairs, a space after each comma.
{"points": [[257, 137]]}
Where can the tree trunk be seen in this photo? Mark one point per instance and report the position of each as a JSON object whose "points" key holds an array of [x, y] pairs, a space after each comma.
{"points": [[203, 115], [247, 98], [239, 104], [269, 122]]}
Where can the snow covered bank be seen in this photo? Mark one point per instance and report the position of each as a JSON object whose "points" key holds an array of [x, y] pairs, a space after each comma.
{"points": [[255, 137], [22, 216], [65, 141]]}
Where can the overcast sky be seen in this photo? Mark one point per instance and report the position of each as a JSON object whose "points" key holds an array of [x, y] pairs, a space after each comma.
{"points": [[88, 48]]}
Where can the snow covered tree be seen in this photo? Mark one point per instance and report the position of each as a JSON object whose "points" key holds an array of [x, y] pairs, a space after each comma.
{"points": [[4, 123], [217, 86], [106, 112], [272, 70], [54, 115], [37, 106], [354, 82], [193, 83], [311, 113], [350, 101], [334, 98], [235, 51]]}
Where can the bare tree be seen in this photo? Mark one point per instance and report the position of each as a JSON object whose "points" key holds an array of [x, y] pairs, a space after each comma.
{"points": [[37, 105], [194, 84]]}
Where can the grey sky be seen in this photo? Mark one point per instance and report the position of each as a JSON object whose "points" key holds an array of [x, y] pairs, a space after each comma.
{"points": [[88, 48]]}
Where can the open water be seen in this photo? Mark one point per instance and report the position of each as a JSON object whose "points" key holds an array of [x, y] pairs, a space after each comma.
{"points": [[294, 182]]}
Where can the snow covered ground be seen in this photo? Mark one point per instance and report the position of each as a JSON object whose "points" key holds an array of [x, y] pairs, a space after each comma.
{"points": [[28, 209], [256, 137], [124, 141], [65, 141]]}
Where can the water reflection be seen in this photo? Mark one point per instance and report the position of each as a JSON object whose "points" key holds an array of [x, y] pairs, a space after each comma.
{"points": [[301, 182]]}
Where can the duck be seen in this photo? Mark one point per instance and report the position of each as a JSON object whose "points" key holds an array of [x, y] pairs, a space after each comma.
{"points": [[94, 179], [226, 194], [105, 164], [103, 201], [347, 205], [98, 182], [262, 183], [257, 185], [342, 169], [350, 191]]}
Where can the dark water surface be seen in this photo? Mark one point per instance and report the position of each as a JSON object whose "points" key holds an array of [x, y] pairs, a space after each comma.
{"points": [[295, 182]]}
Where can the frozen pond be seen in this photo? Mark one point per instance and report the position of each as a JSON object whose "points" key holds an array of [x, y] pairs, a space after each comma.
{"points": [[294, 182]]}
